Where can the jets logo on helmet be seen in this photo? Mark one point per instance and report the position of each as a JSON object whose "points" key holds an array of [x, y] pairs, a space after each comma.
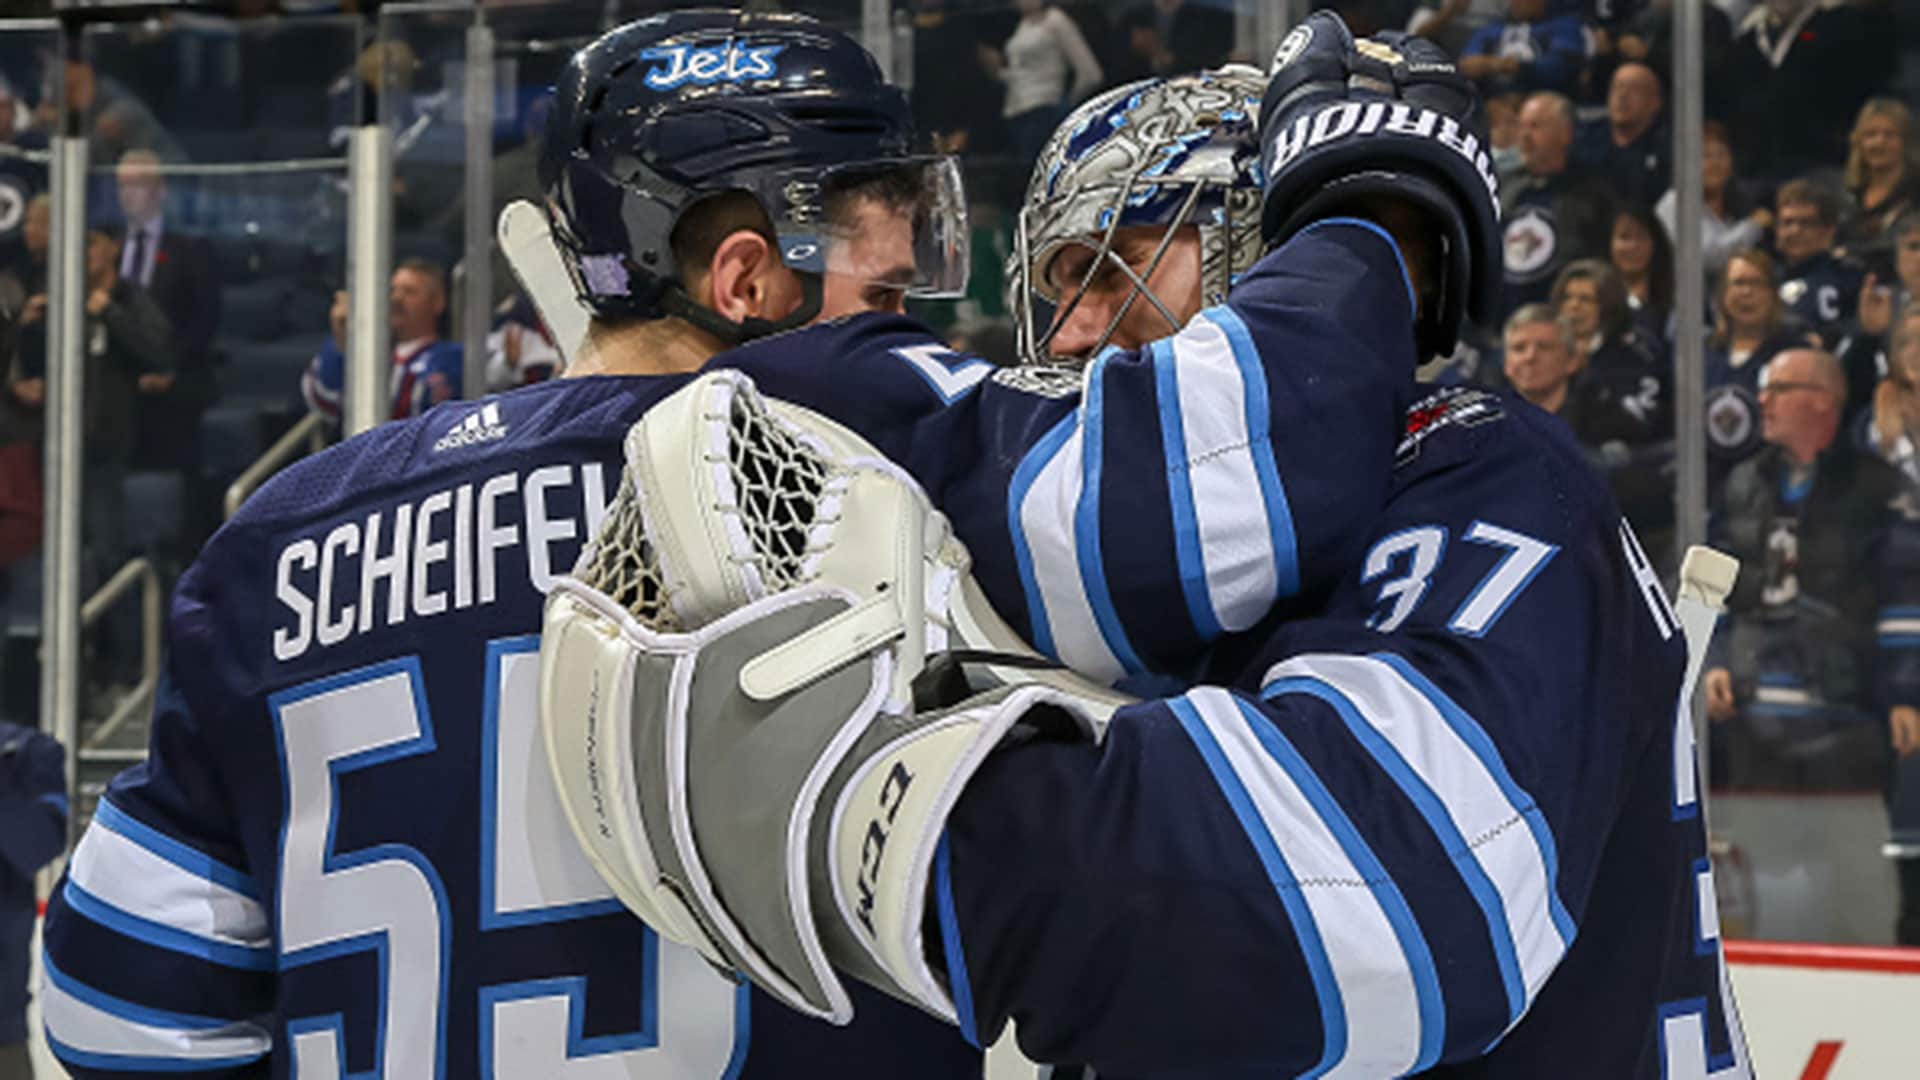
{"points": [[656, 116], [720, 63]]}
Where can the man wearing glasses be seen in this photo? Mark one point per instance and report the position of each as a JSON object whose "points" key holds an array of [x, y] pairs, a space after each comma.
{"points": [[1813, 665]]}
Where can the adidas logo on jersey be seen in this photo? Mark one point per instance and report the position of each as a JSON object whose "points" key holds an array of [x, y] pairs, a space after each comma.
{"points": [[479, 427]]}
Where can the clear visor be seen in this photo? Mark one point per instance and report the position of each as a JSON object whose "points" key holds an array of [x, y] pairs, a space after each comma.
{"points": [[895, 225]]}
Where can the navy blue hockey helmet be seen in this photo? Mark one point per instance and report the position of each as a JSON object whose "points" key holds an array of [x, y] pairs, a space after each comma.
{"points": [[656, 115]]}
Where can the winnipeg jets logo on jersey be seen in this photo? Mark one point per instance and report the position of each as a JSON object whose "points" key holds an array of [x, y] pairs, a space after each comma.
{"points": [[482, 425], [1531, 243], [730, 62]]}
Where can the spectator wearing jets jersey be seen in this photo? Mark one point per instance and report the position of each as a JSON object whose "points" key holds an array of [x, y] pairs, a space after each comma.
{"points": [[426, 369], [1752, 325], [1818, 283], [1804, 681], [1625, 387], [1630, 148], [1552, 212]]}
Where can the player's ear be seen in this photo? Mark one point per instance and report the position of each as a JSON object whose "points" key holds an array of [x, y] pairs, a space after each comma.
{"points": [[747, 279]]}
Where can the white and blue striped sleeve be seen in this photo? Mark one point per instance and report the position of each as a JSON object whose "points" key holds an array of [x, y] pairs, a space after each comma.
{"points": [[1219, 471]]}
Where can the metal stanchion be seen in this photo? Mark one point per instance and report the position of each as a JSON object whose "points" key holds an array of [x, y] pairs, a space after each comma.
{"points": [[476, 310]]}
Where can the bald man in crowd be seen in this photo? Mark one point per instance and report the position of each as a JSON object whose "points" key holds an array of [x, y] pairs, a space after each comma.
{"points": [[1803, 676], [1554, 212], [1632, 149]]}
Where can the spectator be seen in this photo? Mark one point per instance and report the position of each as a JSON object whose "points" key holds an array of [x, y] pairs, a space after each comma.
{"points": [[26, 274], [1143, 53], [1892, 432], [1196, 35], [1631, 151], [1733, 218], [1798, 673], [1647, 37], [1751, 327], [33, 830], [520, 351], [125, 337], [1643, 257], [426, 370], [1883, 174], [1541, 359], [1874, 315], [1552, 214], [1452, 23], [1892, 425], [113, 118], [1045, 47], [1626, 392], [1819, 284], [955, 122], [1802, 68], [1503, 135], [21, 178], [1527, 51], [177, 270]]}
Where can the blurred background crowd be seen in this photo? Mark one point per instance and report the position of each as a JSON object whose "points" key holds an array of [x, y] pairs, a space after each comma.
{"points": [[215, 264]]}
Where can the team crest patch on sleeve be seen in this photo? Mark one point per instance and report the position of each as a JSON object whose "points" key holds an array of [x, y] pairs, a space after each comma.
{"points": [[1453, 406], [1040, 380]]}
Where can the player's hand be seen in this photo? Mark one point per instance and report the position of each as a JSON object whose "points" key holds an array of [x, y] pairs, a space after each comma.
{"points": [[1633, 46], [338, 316], [1762, 217], [97, 301], [1720, 702], [1509, 65], [35, 309], [1476, 67], [1904, 721], [1602, 42], [31, 392], [1876, 306], [156, 382], [1323, 158]]}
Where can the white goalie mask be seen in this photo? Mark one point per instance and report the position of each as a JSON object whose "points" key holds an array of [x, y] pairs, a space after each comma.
{"points": [[1163, 152]]}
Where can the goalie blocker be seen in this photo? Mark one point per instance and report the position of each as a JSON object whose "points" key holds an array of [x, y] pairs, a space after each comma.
{"points": [[764, 688]]}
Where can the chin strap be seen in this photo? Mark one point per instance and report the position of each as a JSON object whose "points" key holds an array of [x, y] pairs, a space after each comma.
{"points": [[677, 303]]}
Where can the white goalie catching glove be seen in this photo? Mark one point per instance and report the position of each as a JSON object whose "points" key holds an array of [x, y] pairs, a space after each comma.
{"points": [[728, 692]]}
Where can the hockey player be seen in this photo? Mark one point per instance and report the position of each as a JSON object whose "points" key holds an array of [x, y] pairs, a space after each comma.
{"points": [[1449, 817], [343, 856]]}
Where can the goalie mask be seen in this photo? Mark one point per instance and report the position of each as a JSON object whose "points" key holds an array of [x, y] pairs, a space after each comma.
{"points": [[1161, 152]]}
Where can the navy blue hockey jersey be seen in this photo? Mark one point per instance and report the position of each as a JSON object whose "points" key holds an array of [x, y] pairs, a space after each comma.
{"points": [[343, 854], [1452, 823]]}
